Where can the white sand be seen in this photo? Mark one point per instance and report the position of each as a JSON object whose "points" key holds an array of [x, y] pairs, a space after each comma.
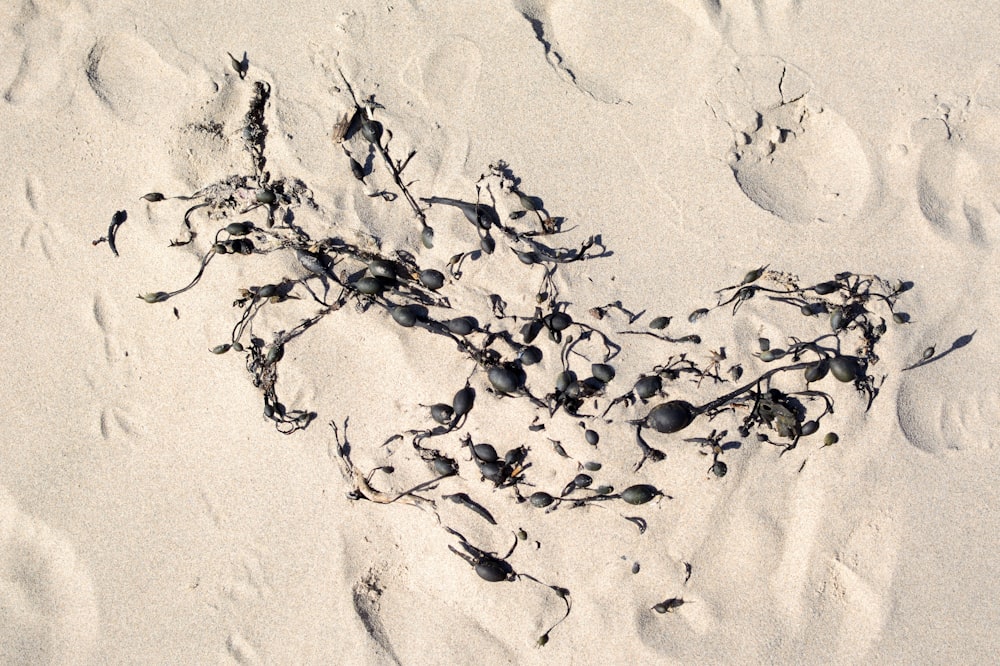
{"points": [[150, 514]]}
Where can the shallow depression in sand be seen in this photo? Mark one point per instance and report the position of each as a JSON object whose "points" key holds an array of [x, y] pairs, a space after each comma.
{"points": [[791, 154]]}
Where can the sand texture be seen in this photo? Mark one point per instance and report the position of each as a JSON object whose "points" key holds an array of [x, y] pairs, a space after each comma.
{"points": [[163, 504]]}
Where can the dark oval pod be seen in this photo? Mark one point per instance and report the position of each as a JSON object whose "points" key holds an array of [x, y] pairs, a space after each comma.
{"points": [[460, 325], [463, 401], [816, 371], [719, 468], [427, 237], [220, 248], [432, 279], [764, 344], [592, 466], [491, 570], [383, 269], [442, 413], [830, 439], [504, 379], [592, 437], [659, 323], [267, 291], [404, 315], [527, 258], [807, 310], [697, 314], [649, 386], [487, 244], [265, 196], [809, 427], [604, 490], [837, 319], [671, 416], [371, 130], [558, 321], [369, 285], [153, 197], [530, 331], [602, 371], [772, 355], [490, 470], [527, 202], [531, 355], [574, 390], [583, 480], [845, 368], [824, 288], [485, 452], [445, 466], [640, 494], [541, 499], [564, 379], [275, 353], [242, 246], [239, 228]]}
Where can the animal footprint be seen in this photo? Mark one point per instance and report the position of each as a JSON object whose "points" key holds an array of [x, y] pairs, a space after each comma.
{"points": [[958, 180], [606, 50], [48, 613], [111, 379], [791, 155]]}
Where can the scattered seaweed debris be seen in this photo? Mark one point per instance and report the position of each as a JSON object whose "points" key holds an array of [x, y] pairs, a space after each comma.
{"points": [[779, 393]]}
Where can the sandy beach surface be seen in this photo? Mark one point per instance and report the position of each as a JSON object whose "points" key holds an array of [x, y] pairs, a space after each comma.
{"points": [[632, 160]]}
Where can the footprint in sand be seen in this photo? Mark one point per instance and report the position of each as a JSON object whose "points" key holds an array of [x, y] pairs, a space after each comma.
{"points": [[958, 180], [48, 613], [945, 406], [130, 78], [112, 378], [791, 155], [45, 36], [613, 52]]}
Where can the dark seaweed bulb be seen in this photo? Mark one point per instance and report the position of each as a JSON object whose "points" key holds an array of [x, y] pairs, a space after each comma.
{"points": [[671, 416], [460, 325], [265, 196], [485, 452], [817, 370], [603, 372], [809, 427], [445, 466], [383, 269], [697, 314], [659, 323], [371, 130], [239, 228], [558, 321], [564, 379], [492, 570], [648, 386], [530, 355], [404, 315], [442, 413], [504, 379], [488, 244], [845, 368], [427, 237], [541, 499], [463, 401], [369, 286], [583, 480], [592, 437], [432, 279], [719, 469], [640, 494], [824, 288]]}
